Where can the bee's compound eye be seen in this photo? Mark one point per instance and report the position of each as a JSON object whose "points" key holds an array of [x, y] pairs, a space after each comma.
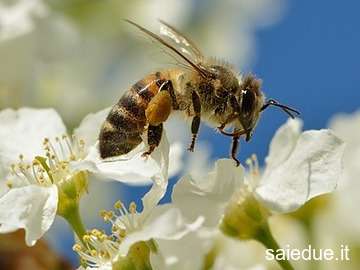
{"points": [[248, 100]]}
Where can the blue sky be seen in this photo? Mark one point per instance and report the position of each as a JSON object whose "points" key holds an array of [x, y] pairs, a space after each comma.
{"points": [[309, 60]]}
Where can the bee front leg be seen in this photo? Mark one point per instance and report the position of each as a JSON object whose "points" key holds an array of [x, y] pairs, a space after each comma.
{"points": [[154, 137], [234, 149], [195, 125]]}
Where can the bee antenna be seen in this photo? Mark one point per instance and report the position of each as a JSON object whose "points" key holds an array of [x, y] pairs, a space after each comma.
{"points": [[289, 111]]}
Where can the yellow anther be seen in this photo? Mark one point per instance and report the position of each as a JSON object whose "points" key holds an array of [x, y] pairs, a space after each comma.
{"points": [[122, 233], [35, 162], [105, 255], [102, 213], [86, 238], [72, 157], [132, 207], [95, 232], [64, 136], [77, 248], [115, 228], [118, 205], [21, 156], [102, 237], [93, 253], [46, 140], [81, 142], [57, 139], [106, 215]]}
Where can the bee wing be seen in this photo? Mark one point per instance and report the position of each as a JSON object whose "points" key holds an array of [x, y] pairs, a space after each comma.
{"points": [[188, 61], [183, 44]]}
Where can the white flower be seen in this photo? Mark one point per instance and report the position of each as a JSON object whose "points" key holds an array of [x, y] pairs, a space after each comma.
{"points": [[31, 202], [37, 160], [100, 251], [299, 167], [208, 196], [341, 221], [17, 19], [129, 226]]}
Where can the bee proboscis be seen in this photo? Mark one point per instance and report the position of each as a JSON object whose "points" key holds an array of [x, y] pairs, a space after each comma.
{"points": [[204, 90]]}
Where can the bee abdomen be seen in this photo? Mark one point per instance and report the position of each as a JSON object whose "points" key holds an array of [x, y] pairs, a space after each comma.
{"points": [[126, 121]]}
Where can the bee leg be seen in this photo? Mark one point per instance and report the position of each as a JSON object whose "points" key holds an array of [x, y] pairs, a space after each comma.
{"points": [[196, 120], [168, 86], [154, 137], [234, 149]]}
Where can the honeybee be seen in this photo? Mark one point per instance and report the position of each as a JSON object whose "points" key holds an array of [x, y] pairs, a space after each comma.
{"points": [[204, 89]]}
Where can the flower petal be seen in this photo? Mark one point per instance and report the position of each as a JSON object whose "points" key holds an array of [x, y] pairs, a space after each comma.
{"points": [[17, 17], [131, 168], [166, 223], [23, 132], [172, 255], [32, 208], [3, 187], [90, 126], [312, 169], [283, 143], [175, 160], [209, 195]]}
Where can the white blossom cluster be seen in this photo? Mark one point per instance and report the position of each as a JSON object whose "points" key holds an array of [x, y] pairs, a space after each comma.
{"points": [[40, 160], [220, 215]]}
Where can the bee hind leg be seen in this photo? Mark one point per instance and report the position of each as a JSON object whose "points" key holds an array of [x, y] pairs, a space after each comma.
{"points": [[154, 137], [195, 124], [168, 86]]}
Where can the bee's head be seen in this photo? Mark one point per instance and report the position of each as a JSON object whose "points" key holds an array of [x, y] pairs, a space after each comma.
{"points": [[252, 103], [251, 100]]}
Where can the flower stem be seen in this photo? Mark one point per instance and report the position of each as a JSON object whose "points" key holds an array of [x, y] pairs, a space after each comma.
{"points": [[265, 237], [74, 219]]}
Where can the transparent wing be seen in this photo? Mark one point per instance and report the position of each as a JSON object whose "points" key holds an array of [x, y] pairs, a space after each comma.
{"points": [[182, 43], [188, 60]]}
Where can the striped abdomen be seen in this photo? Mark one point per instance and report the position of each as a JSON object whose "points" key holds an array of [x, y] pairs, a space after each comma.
{"points": [[126, 121]]}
